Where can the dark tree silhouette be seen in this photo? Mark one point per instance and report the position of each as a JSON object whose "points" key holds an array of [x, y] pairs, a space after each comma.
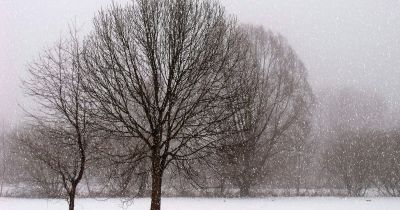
{"points": [[159, 72]]}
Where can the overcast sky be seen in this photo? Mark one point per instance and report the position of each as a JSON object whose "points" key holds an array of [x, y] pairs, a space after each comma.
{"points": [[342, 42]]}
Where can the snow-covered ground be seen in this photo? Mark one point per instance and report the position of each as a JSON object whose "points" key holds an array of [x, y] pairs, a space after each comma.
{"points": [[314, 203]]}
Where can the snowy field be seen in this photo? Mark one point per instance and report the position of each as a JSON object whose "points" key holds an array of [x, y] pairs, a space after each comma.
{"points": [[314, 203]]}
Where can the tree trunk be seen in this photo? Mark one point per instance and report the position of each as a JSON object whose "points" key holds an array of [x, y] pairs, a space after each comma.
{"points": [[156, 178], [88, 186], [142, 185], [71, 199], [298, 182], [222, 188], [245, 190], [3, 176], [3, 165], [1, 186]]}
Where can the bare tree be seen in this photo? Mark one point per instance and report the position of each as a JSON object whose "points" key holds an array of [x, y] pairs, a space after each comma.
{"points": [[3, 152], [277, 99], [38, 178], [387, 166], [62, 121], [350, 160], [158, 72]]}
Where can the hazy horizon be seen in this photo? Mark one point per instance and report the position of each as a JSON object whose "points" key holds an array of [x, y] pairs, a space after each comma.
{"points": [[342, 43]]}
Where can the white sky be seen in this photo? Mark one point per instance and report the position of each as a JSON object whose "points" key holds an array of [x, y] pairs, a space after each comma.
{"points": [[342, 42]]}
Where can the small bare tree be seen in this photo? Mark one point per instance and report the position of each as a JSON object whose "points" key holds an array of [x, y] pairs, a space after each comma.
{"points": [[387, 166], [350, 160], [277, 99], [159, 71], [38, 178], [3, 153], [62, 121]]}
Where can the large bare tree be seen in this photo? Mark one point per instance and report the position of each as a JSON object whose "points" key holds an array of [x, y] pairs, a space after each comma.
{"points": [[159, 72], [277, 100]]}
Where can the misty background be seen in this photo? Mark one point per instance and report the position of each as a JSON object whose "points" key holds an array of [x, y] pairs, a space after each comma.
{"points": [[339, 138], [342, 43]]}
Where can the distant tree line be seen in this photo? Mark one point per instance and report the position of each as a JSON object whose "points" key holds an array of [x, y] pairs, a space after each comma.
{"points": [[360, 149]]}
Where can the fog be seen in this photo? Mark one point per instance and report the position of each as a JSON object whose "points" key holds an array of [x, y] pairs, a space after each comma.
{"points": [[342, 43], [296, 98]]}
